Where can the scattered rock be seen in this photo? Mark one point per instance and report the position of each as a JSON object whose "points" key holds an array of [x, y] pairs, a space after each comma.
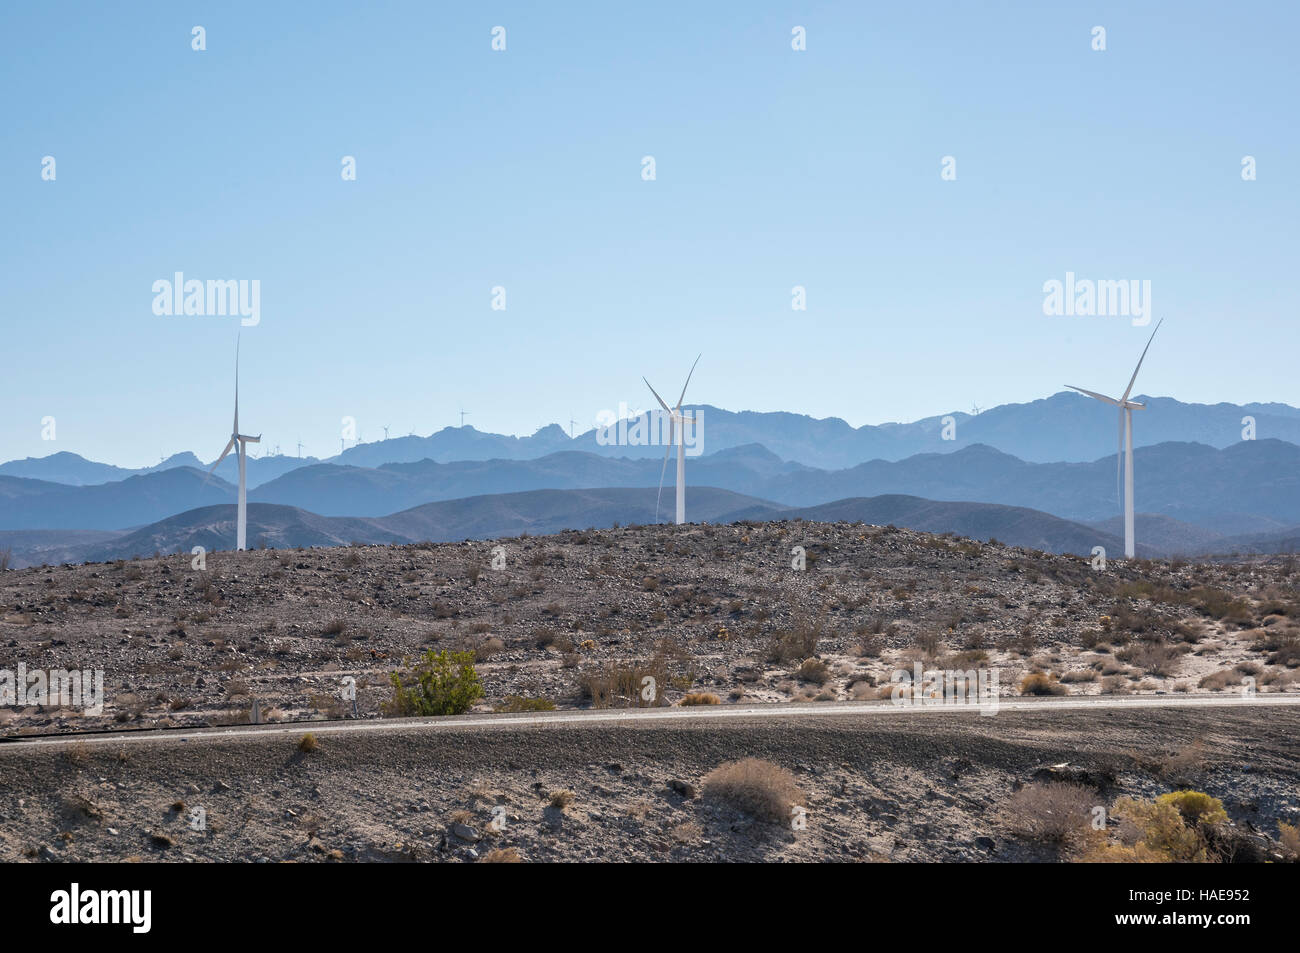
{"points": [[684, 788], [465, 832]]}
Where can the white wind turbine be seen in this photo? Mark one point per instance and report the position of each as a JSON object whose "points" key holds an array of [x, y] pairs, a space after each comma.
{"points": [[676, 425], [1126, 408], [241, 521]]}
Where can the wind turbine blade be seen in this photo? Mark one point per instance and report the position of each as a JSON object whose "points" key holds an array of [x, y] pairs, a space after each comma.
{"points": [[1134, 378], [1094, 394], [688, 381], [657, 397], [236, 427], [208, 476], [663, 470], [229, 446]]}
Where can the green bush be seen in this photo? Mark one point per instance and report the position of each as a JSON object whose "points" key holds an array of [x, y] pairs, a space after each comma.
{"points": [[442, 683]]}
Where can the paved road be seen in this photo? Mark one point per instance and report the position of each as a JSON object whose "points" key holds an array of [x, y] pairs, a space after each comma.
{"points": [[699, 713]]}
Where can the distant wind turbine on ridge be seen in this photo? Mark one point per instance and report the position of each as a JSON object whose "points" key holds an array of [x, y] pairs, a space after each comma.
{"points": [[1126, 408], [676, 425], [242, 440]]}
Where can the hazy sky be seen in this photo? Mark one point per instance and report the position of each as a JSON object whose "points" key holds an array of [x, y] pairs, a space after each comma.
{"points": [[774, 168]]}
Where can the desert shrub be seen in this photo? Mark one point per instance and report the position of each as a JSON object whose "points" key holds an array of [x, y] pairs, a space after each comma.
{"points": [[1218, 604], [1036, 683], [308, 743], [1051, 812], [335, 627], [701, 698], [798, 643], [1286, 652], [1175, 827], [1181, 764], [488, 648], [1218, 681], [1196, 806], [1152, 658], [1081, 675], [624, 686], [562, 799], [862, 691], [1289, 835], [441, 683], [755, 787], [928, 642], [814, 670]]}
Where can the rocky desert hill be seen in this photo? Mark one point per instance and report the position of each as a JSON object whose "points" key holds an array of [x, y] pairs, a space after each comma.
{"points": [[573, 618]]}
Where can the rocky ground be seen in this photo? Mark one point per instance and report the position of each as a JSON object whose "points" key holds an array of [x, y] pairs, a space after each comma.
{"points": [[894, 787], [572, 619]]}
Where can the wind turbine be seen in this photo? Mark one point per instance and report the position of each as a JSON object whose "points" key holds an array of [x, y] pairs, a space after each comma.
{"points": [[241, 520], [1126, 408], [463, 414], [676, 425]]}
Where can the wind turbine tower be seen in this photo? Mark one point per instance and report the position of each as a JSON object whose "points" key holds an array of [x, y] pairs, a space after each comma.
{"points": [[676, 426], [1124, 455], [241, 441]]}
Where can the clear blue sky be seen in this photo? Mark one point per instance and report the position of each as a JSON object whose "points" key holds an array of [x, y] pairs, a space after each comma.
{"points": [[775, 168]]}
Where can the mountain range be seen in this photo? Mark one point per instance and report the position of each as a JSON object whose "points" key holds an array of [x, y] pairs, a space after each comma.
{"points": [[1249, 487], [1064, 427]]}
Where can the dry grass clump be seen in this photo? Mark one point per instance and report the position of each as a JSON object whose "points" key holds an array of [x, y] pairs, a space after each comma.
{"points": [[700, 698], [634, 685], [501, 855], [1053, 812], [1218, 681], [755, 787], [562, 799], [813, 670], [308, 743], [1038, 683], [488, 648]]}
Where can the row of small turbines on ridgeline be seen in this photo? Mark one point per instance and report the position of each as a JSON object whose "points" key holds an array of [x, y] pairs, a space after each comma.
{"points": [[676, 433]]}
